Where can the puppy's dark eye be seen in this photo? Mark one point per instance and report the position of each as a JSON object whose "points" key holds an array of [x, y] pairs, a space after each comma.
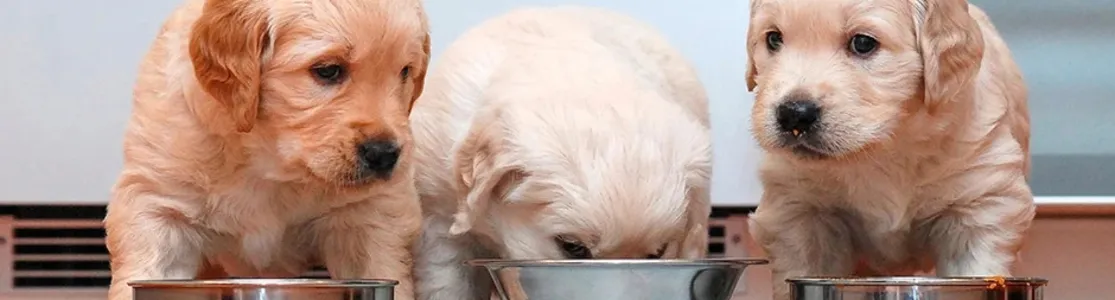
{"points": [[573, 249], [863, 45], [658, 254], [328, 73], [774, 41], [405, 73]]}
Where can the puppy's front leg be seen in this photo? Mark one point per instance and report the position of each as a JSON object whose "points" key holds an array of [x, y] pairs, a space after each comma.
{"points": [[800, 239], [982, 237], [148, 243], [372, 240]]}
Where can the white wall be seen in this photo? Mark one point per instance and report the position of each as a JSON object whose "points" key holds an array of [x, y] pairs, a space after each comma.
{"points": [[65, 87], [69, 66]]}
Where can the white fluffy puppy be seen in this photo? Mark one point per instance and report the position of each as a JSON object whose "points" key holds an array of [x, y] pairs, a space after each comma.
{"points": [[560, 132]]}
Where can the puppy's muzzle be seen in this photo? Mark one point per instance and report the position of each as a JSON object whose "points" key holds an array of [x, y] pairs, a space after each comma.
{"points": [[376, 158], [797, 116]]}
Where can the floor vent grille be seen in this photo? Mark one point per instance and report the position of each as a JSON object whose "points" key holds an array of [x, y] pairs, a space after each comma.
{"points": [[59, 253]]}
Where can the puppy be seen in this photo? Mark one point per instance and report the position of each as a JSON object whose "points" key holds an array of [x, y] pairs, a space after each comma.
{"points": [[897, 139], [554, 133], [268, 136]]}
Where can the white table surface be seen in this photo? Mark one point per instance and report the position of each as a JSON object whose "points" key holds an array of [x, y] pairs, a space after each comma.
{"points": [[1075, 200]]}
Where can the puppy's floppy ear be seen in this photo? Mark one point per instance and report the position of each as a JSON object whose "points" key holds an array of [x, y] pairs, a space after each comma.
{"points": [[751, 73], [226, 44], [482, 177], [420, 73], [751, 32], [951, 48]]}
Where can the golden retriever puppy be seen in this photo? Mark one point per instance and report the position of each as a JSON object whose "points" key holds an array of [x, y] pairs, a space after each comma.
{"points": [[270, 135], [897, 139], [558, 133]]}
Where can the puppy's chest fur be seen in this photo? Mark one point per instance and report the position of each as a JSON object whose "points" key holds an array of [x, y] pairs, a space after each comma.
{"points": [[888, 224], [888, 208], [261, 228]]}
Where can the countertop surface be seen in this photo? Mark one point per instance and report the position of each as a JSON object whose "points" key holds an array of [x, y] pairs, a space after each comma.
{"points": [[1075, 200]]}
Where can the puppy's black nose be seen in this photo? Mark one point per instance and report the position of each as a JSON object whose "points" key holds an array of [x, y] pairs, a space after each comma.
{"points": [[377, 157], [797, 116]]}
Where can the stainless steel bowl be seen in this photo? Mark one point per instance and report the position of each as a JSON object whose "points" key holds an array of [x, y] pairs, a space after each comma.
{"points": [[917, 288], [710, 279], [264, 289]]}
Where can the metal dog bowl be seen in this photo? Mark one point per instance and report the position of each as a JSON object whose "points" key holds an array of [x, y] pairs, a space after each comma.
{"points": [[917, 288], [264, 289], [708, 279]]}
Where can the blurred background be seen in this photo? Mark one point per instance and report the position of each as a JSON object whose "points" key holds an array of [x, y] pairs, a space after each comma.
{"points": [[69, 66]]}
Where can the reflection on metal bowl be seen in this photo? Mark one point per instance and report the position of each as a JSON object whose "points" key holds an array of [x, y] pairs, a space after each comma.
{"points": [[917, 288], [264, 289], [708, 279]]}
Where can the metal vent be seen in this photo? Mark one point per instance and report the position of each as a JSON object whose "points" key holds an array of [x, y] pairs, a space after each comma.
{"points": [[718, 237], [58, 253]]}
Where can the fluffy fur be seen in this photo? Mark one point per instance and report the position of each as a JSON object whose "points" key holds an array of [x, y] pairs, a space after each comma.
{"points": [[920, 157], [241, 159], [552, 124]]}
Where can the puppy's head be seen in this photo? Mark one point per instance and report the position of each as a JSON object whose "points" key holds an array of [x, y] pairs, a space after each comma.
{"points": [[319, 90], [836, 77], [558, 185]]}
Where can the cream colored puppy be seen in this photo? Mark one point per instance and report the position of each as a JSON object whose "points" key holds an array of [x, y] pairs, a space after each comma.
{"points": [[559, 132], [268, 136], [897, 135]]}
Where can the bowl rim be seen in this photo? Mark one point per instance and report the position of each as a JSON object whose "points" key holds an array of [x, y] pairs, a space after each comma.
{"points": [[263, 283], [917, 280], [504, 263]]}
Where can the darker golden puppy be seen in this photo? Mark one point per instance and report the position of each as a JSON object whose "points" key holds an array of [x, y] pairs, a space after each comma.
{"points": [[897, 139], [268, 136]]}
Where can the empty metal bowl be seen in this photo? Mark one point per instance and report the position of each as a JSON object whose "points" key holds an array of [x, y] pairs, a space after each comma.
{"points": [[917, 288], [264, 289], [709, 279]]}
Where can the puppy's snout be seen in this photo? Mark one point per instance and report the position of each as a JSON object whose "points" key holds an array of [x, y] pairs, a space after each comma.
{"points": [[377, 157], [797, 116]]}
